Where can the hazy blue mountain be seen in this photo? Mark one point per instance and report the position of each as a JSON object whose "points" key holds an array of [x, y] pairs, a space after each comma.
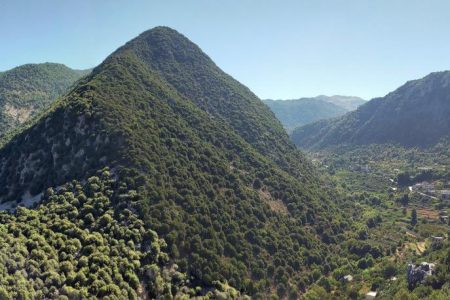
{"points": [[347, 102], [299, 112], [295, 113]]}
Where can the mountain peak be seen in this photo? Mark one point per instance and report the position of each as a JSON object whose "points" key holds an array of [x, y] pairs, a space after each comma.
{"points": [[161, 30], [182, 65], [161, 44], [197, 147], [161, 37]]}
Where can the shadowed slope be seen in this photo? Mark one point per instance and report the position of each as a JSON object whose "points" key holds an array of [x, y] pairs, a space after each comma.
{"points": [[416, 114]]}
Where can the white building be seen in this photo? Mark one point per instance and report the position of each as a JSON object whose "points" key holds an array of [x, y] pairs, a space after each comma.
{"points": [[371, 295]]}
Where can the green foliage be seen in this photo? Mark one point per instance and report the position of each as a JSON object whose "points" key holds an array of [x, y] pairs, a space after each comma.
{"points": [[403, 294], [384, 242], [317, 293], [413, 217], [188, 142], [52, 252], [29, 89]]}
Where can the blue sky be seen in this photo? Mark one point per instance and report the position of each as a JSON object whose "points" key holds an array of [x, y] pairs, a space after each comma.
{"points": [[279, 49]]}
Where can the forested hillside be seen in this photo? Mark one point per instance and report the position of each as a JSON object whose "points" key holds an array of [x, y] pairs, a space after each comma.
{"points": [[29, 89], [415, 114], [80, 244], [214, 172]]}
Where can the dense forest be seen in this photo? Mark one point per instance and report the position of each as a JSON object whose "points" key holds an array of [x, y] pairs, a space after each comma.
{"points": [[29, 89], [84, 242]]}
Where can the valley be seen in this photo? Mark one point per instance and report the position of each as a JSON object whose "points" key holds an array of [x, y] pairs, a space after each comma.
{"points": [[389, 184]]}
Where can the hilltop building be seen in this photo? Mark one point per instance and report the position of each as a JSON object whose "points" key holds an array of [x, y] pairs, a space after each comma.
{"points": [[418, 273]]}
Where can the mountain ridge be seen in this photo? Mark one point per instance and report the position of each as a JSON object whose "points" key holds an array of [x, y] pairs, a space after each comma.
{"points": [[298, 112], [347, 102], [29, 89], [412, 115]]}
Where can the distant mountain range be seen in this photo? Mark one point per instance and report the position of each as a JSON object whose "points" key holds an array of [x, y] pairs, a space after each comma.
{"points": [[347, 102], [26, 90], [298, 112], [416, 114]]}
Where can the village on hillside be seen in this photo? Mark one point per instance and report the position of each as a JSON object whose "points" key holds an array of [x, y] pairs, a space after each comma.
{"points": [[412, 200]]}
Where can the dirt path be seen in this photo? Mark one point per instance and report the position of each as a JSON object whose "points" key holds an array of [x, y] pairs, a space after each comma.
{"points": [[421, 247]]}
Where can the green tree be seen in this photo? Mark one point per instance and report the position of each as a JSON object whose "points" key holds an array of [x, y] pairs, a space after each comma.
{"points": [[414, 217], [404, 294], [403, 179], [404, 200], [4, 295]]}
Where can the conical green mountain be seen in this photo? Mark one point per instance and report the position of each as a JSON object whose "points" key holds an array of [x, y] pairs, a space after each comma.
{"points": [[415, 114], [212, 170], [28, 89]]}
